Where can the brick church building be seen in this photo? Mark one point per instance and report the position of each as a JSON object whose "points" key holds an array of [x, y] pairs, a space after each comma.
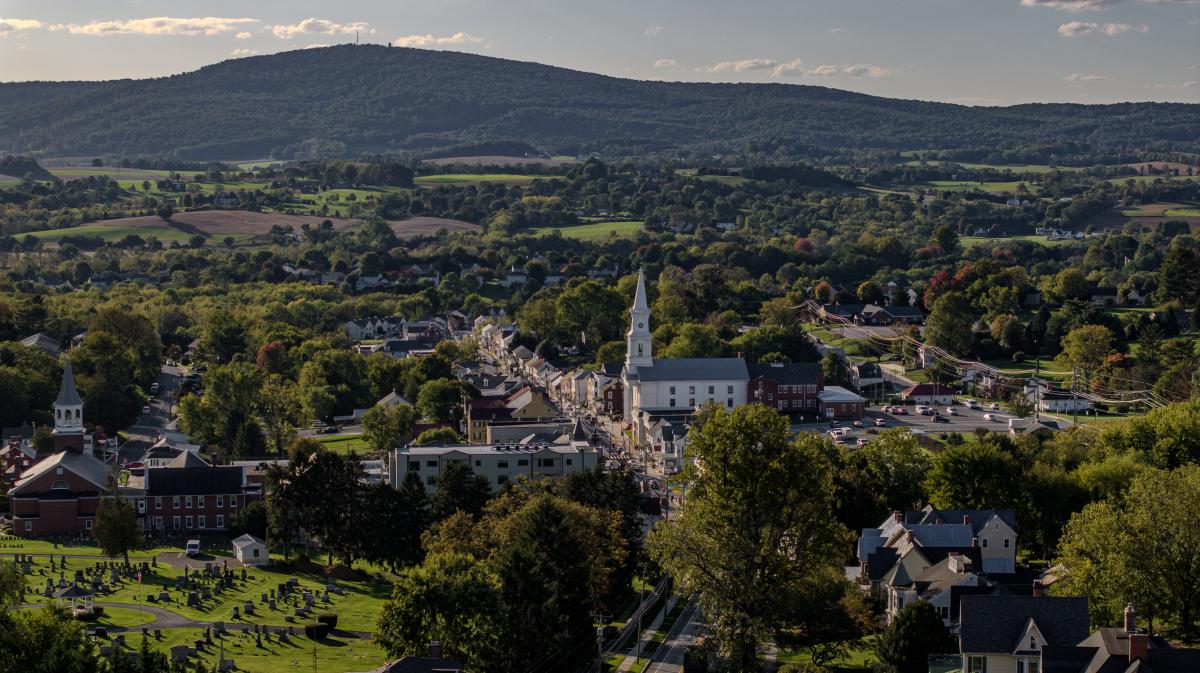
{"points": [[59, 493]]}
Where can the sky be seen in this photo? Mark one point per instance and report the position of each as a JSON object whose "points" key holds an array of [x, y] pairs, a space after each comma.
{"points": [[974, 52]]}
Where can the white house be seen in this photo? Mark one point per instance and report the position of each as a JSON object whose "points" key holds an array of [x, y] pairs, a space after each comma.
{"points": [[250, 550]]}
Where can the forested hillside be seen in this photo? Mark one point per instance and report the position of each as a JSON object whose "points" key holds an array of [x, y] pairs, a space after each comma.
{"points": [[346, 100]]}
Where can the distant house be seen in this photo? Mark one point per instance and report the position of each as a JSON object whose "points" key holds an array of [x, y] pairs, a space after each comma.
{"points": [[929, 393], [1008, 633], [792, 388], [1103, 296], [1118, 650], [44, 343], [250, 550], [868, 379], [837, 402]]}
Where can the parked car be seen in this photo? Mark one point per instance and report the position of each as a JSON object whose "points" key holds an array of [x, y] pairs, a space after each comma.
{"points": [[857, 424], [192, 548], [862, 441], [146, 409], [900, 411], [951, 411], [879, 423], [989, 417], [995, 407], [318, 423], [938, 418]]}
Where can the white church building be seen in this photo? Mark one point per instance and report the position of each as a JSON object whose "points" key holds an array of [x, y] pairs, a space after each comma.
{"points": [[658, 389]]}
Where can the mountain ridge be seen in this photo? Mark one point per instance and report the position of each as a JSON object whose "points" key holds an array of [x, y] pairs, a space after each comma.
{"points": [[355, 99]]}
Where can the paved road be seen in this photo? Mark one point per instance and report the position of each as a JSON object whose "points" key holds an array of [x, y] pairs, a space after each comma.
{"points": [[144, 431], [668, 658]]}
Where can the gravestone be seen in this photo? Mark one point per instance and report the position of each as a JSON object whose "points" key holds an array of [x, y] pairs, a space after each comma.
{"points": [[164, 596], [272, 604], [179, 653], [235, 613], [101, 632], [193, 599]]}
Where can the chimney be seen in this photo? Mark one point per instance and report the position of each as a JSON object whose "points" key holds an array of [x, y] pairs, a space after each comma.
{"points": [[1039, 589], [910, 536], [974, 543], [1139, 643], [898, 516], [435, 649], [1130, 619], [966, 519]]}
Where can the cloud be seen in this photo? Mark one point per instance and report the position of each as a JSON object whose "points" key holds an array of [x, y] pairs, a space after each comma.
{"points": [[159, 25], [13, 25], [666, 63], [653, 31], [835, 31], [244, 35], [1190, 84], [243, 52], [312, 26], [1077, 28], [434, 41], [1095, 5], [796, 68], [1080, 77], [318, 45], [744, 65]]}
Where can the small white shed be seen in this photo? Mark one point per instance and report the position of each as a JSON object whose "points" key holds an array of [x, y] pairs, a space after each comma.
{"points": [[250, 550]]}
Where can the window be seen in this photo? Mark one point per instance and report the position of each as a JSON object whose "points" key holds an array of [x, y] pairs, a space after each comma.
{"points": [[691, 390], [431, 463], [545, 462], [175, 502], [1032, 641], [188, 501], [1006, 543], [478, 463], [200, 522], [87, 524], [976, 664], [58, 470], [158, 503], [220, 521], [711, 389], [200, 501], [672, 390], [569, 461], [191, 523], [691, 402], [502, 479], [522, 462], [672, 401], [141, 505], [28, 526], [503, 464], [174, 522], [729, 403], [220, 501], [729, 390], [158, 525], [640, 349], [233, 501], [59, 485], [255, 550], [984, 541]]}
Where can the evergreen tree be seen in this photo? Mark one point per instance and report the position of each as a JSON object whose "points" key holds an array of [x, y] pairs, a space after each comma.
{"points": [[915, 633]]}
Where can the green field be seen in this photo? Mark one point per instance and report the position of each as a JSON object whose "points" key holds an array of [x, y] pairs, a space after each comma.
{"points": [[975, 241], [111, 232], [467, 178], [592, 232], [1182, 212], [989, 187], [1015, 168], [344, 443], [114, 172]]}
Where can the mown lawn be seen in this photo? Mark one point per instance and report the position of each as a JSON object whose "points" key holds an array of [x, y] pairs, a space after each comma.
{"points": [[112, 232], [989, 187], [335, 654], [591, 232], [976, 241], [344, 443], [858, 659]]}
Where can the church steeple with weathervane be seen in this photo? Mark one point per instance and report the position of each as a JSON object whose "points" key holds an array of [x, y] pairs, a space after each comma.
{"points": [[638, 339], [68, 414]]}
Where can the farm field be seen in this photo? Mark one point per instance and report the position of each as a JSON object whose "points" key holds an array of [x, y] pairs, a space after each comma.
{"points": [[989, 187], [114, 172], [1182, 212], [428, 226], [114, 232], [8, 181], [240, 224], [1015, 168], [591, 232], [468, 178], [497, 160], [1148, 215], [975, 241]]}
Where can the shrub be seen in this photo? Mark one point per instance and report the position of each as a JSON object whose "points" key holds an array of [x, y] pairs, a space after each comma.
{"points": [[329, 619], [317, 631]]}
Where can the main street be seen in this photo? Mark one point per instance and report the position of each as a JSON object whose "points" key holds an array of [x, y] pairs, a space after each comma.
{"points": [[145, 430], [668, 658]]}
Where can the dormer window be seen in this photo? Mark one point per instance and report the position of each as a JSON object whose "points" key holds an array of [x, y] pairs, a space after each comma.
{"points": [[59, 485]]}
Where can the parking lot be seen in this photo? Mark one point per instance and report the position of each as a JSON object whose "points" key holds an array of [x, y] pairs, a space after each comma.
{"points": [[963, 421]]}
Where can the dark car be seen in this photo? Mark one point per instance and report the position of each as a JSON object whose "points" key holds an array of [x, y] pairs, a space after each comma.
{"points": [[938, 418]]}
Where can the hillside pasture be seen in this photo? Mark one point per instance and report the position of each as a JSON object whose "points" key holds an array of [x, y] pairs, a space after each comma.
{"points": [[114, 172], [593, 231], [1148, 216], [216, 224], [429, 226], [993, 241], [1162, 168], [495, 160], [1015, 168], [8, 181]]}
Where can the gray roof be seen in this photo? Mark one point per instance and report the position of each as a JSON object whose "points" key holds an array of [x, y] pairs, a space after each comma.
{"points": [[193, 480], [978, 517], [993, 624], [68, 396], [942, 535], [788, 374], [695, 369]]}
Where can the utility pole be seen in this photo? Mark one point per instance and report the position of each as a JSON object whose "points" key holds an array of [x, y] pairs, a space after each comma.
{"points": [[1074, 398], [1037, 390]]}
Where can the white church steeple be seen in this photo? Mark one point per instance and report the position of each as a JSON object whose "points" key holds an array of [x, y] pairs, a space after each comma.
{"points": [[68, 413], [638, 339]]}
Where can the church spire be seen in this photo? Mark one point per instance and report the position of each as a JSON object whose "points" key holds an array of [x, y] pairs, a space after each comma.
{"points": [[68, 395], [638, 339], [68, 414]]}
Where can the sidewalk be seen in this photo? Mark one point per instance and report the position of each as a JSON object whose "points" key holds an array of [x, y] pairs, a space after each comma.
{"points": [[648, 633]]}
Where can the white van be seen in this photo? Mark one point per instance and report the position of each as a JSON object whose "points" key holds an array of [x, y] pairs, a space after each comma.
{"points": [[192, 548]]}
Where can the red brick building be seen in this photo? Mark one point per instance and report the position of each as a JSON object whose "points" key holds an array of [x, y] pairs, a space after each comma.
{"points": [[58, 494], [792, 388]]}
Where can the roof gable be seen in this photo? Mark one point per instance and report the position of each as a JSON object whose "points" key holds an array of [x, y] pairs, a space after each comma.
{"points": [[995, 624]]}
